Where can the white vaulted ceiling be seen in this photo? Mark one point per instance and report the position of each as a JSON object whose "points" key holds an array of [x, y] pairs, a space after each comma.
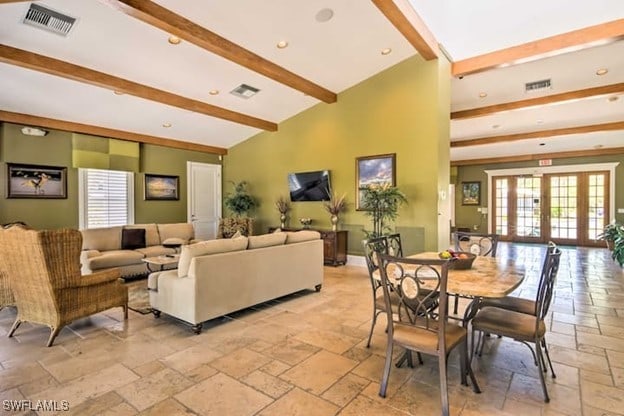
{"points": [[334, 55]]}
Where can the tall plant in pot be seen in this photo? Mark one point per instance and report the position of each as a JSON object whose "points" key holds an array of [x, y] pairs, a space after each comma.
{"points": [[382, 203], [240, 202], [610, 233], [334, 207], [618, 246]]}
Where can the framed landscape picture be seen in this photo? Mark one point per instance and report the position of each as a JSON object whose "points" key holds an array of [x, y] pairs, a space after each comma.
{"points": [[471, 193], [161, 187], [374, 170], [35, 181]]}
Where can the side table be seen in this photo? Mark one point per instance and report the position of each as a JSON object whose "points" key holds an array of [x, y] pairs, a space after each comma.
{"points": [[158, 263]]}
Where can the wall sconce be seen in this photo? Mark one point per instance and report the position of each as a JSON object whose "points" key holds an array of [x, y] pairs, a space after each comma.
{"points": [[34, 131]]}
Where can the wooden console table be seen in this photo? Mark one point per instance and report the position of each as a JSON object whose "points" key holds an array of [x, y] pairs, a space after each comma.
{"points": [[334, 244]]}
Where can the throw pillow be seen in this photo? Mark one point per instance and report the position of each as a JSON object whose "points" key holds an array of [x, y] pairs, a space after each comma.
{"points": [[132, 238], [237, 234], [173, 241]]}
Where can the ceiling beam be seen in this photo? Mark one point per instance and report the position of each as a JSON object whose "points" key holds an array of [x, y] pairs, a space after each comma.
{"points": [[14, 1], [403, 16], [524, 158], [542, 48], [50, 123], [151, 13], [618, 125], [533, 102], [67, 70]]}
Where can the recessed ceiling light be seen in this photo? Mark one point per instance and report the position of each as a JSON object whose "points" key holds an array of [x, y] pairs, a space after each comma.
{"points": [[482, 94], [602, 71], [324, 15], [166, 125], [118, 92], [282, 44], [540, 121], [613, 98], [495, 126], [213, 92], [174, 40], [386, 51]]}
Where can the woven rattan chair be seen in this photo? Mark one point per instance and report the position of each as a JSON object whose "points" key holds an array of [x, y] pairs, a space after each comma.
{"points": [[475, 243], [6, 294], [417, 281], [525, 328], [229, 226], [44, 272]]}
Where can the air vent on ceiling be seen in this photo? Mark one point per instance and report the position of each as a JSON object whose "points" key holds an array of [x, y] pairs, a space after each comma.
{"points": [[47, 19], [245, 91], [534, 86]]}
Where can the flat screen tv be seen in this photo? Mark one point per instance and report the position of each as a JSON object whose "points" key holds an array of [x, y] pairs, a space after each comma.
{"points": [[309, 186]]}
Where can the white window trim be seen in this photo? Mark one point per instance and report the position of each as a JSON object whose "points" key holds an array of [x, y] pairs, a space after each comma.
{"points": [[82, 197], [540, 170]]}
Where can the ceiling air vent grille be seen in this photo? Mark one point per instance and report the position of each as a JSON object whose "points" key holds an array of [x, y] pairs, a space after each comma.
{"points": [[49, 20], [537, 85], [245, 91]]}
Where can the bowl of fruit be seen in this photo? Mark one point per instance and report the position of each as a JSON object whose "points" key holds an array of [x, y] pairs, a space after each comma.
{"points": [[460, 260]]}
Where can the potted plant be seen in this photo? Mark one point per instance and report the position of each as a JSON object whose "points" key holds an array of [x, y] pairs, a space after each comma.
{"points": [[240, 202], [381, 203], [334, 207], [283, 207], [618, 246], [610, 233]]}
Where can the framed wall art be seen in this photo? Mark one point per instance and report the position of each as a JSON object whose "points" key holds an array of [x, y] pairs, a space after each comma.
{"points": [[35, 181], [471, 193], [161, 187], [374, 170]]}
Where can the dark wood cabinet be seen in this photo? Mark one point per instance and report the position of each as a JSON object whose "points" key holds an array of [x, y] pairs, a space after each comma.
{"points": [[334, 245]]}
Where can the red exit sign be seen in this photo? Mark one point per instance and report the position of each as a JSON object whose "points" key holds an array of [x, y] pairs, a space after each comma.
{"points": [[545, 162]]}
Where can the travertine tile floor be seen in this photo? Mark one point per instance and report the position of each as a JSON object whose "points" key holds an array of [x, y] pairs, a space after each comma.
{"points": [[306, 355]]}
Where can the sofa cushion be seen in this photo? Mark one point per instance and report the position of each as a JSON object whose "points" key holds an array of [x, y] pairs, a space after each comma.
{"points": [[182, 230], [208, 247], [173, 241], [115, 258], [102, 239], [151, 233], [132, 238], [300, 236], [266, 240], [153, 251]]}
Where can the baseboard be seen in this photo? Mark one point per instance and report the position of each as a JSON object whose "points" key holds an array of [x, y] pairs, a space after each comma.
{"points": [[359, 261]]}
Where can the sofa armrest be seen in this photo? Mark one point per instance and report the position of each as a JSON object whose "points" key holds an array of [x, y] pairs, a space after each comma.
{"points": [[88, 254], [105, 276]]}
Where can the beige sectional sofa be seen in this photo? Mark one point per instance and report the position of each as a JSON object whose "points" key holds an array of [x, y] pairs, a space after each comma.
{"points": [[221, 276], [102, 248]]}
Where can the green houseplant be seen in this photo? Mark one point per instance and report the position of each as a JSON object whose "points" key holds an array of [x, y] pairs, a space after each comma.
{"points": [[618, 246], [610, 233], [240, 202], [381, 203]]}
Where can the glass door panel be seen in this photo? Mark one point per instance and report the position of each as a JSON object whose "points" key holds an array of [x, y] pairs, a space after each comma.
{"points": [[597, 208], [528, 207], [501, 206], [563, 207]]}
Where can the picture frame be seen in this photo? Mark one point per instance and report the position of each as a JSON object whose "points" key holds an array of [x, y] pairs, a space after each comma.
{"points": [[373, 170], [471, 193], [161, 187], [36, 181]]}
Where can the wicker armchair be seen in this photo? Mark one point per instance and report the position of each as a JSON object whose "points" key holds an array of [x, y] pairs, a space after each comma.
{"points": [[229, 226], [6, 295], [44, 273]]}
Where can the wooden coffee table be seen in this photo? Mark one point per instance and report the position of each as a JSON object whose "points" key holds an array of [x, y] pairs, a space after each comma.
{"points": [[158, 263]]}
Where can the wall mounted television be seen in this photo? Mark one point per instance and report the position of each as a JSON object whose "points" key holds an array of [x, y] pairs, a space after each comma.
{"points": [[309, 186]]}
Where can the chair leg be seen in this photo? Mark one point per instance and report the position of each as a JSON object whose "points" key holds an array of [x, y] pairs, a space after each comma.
{"points": [[370, 335], [541, 368], [410, 361], [463, 358], [420, 360], [53, 334], [443, 385], [552, 370], [386, 371], [16, 324], [456, 304], [125, 311]]}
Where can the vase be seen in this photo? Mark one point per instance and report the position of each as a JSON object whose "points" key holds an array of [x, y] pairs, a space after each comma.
{"points": [[334, 222], [283, 221]]}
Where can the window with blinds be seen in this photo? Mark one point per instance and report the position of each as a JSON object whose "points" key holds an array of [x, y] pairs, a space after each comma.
{"points": [[107, 198]]}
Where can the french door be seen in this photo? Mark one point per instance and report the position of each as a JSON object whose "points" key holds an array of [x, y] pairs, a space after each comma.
{"points": [[567, 208]]}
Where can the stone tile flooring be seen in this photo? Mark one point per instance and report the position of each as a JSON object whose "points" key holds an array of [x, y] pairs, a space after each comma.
{"points": [[306, 355]]}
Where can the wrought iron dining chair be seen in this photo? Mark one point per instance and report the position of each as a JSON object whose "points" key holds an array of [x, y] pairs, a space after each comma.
{"points": [[417, 282], [514, 303], [395, 247], [525, 328], [480, 244]]}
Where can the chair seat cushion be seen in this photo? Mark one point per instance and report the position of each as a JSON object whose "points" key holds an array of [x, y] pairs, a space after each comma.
{"points": [[420, 339], [115, 258], [516, 325], [511, 303]]}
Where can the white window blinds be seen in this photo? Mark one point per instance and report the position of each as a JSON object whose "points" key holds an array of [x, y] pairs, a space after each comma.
{"points": [[107, 198]]}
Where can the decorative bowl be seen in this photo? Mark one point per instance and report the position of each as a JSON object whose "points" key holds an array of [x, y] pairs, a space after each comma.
{"points": [[461, 263]]}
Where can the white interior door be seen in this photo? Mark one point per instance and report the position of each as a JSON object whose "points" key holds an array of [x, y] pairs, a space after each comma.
{"points": [[204, 198]]}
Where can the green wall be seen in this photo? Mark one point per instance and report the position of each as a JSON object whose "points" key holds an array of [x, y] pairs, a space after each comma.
{"points": [[55, 149], [467, 216], [403, 110]]}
